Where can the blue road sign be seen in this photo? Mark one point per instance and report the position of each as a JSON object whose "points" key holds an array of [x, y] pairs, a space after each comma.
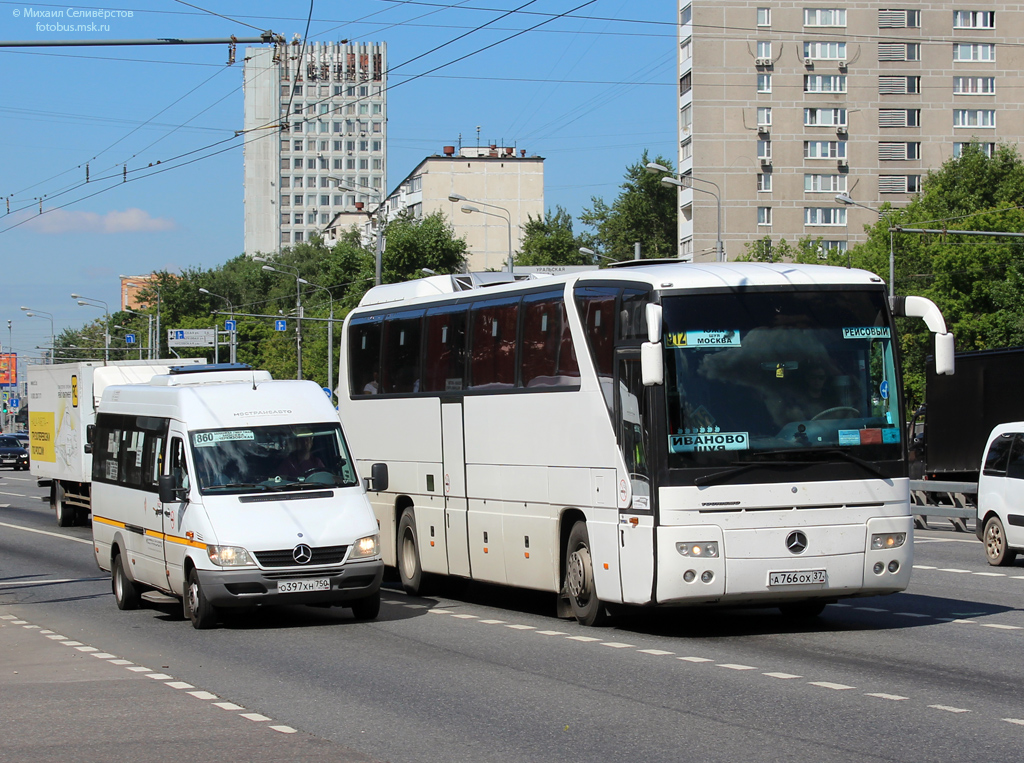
{"points": [[16, 402], [327, 391], [179, 333], [229, 325], [129, 338], [280, 325]]}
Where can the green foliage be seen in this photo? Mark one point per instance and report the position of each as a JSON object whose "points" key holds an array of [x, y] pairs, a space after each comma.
{"points": [[549, 240], [414, 244], [806, 251], [645, 212]]}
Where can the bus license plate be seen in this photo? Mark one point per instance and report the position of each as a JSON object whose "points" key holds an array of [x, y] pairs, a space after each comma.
{"points": [[298, 586], [797, 577]]}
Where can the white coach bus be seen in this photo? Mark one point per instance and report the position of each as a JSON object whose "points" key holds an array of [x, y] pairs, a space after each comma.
{"points": [[656, 434]]}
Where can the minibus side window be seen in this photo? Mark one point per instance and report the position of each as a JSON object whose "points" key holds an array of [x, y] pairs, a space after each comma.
{"points": [[998, 456]]}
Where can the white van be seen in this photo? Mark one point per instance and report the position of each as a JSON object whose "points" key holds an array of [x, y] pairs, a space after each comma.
{"points": [[1000, 524], [224, 488]]}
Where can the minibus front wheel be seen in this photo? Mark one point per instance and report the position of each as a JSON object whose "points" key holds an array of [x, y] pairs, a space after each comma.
{"points": [[126, 594], [198, 608]]}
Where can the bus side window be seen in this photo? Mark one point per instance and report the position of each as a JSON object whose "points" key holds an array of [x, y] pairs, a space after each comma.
{"points": [[492, 355], [444, 369], [364, 356], [547, 357]]}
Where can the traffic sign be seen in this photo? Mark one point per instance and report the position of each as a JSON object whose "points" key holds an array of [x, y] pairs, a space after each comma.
{"points": [[280, 325], [229, 325], [15, 402], [327, 391], [6, 394], [191, 337], [129, 338]]}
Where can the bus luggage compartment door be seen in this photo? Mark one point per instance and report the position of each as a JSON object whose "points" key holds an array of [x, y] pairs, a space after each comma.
{"points": [[455, 503]]}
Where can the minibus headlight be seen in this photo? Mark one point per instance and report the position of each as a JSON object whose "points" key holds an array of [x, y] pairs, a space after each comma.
{"points": [[702, 550], [229, 556], [883, 541], [364, 547]]}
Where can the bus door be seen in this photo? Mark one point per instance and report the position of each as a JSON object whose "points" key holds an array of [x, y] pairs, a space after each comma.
{"points": [[453, 449], [636, 521]]}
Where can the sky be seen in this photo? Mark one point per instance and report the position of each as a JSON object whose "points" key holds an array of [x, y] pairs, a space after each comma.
{"points": [[587, 85]]}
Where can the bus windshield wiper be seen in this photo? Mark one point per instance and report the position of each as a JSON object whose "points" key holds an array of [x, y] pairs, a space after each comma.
{"points": [[742, 466]]}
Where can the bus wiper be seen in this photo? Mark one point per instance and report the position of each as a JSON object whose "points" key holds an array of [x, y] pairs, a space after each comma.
{"points": [[741, 466], [867, 465], [282, 486]]}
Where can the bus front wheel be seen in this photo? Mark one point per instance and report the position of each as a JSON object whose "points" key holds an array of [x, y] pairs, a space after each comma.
{"points": [[579, 578], [409, 567]]}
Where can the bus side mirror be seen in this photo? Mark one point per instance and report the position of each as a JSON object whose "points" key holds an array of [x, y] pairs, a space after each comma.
{"points": [[90, 435], [378, 479], [168, 491], [652, 364], [944, 354]]}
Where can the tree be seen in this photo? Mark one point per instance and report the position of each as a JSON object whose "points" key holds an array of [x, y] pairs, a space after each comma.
{"points": [[806, 251], [549, 240], [644, 212], [413, 244]]}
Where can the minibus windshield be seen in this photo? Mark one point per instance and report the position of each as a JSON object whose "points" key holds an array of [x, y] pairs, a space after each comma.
{"points": [[260, 459]]}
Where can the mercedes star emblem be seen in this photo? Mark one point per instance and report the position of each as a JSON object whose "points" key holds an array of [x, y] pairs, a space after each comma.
{"points": [[796, 542], [302, 554]]}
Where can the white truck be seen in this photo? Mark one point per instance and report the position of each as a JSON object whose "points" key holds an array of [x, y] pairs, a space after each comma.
{"points": [[62, 400]]}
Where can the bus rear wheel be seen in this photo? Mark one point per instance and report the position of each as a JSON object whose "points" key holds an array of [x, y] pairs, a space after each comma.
{"points": [[409, 567], [579, 578]]}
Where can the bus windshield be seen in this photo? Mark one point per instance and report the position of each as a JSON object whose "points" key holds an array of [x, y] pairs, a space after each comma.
{"points": [[287, 457], [759, 372]]}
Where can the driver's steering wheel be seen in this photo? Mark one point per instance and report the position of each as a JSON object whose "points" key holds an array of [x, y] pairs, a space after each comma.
{"points": [[828, 412]]}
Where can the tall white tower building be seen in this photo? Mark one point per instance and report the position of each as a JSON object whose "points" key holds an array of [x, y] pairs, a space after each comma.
{"points": [[315, 137]]}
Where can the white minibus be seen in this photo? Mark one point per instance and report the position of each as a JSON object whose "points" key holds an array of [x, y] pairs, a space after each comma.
{"points": [[225, 489]]}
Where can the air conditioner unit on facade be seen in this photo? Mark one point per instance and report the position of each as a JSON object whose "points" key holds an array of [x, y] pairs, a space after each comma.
{"points": [[762, 129], [842, 65], [841, 130], [809, 63], [765, 162], [762, 62], [842, 163]]}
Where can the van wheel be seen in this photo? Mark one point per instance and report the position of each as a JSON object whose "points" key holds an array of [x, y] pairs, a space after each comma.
{"points": [[199, 610], [367, 608], [579, 578], [996, 551], [126, 593], [409, 568], [66, 515]]}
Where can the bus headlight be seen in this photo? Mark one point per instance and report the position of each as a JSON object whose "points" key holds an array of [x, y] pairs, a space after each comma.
{"points": [[699, 550], [883, 541], [229, 556], [364, 547]]}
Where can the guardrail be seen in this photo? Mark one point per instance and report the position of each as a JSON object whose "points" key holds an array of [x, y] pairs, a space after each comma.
{"points": [[955, 501]]}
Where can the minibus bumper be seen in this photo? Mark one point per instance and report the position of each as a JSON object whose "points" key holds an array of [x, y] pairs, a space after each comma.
{"points": [[248, 587]]}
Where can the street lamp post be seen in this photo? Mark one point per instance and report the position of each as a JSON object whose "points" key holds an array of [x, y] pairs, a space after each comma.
{"points": [[330, 334], [686, 181], [31, 313], [298, 307], [843, 198], [232, 343], [591, 253], [468, 208], [90, 302], [375, 215]]}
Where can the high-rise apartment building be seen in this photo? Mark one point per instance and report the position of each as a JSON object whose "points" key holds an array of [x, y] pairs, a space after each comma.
{"points": [[783, 106], [315, 137]]}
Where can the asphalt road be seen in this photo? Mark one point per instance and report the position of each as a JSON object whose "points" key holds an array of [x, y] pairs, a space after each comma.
{"points": [[488, 674]]}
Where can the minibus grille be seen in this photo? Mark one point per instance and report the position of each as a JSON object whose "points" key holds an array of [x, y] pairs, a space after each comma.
{"points": [[285, 558]]}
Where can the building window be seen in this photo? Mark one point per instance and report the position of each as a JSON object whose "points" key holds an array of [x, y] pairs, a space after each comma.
{"points": [[764, 181], [375, 146], [974, 51], [824, 215], [764, 49], [974, 117], [685, 15], [974, 85], [325, 200], [764, 116], [824, 117], [824, 17], [899, 19], [685, 49], [824, 83], [286, 200], [988, 148], [686, 118], [764, 16], [899, 183], [899, 51], [764, 149], [824, 183], [685, 83], [297, 127], [764, 215], [974, 19], [898, 151], [338, 164], [831, 246], [764, 83], [298, 199], [298, 236], [888, 85], [685, 150], [825, 51], [899, 117], [824, 149]]}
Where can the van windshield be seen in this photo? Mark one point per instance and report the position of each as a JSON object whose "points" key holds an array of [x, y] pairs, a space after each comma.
{"points": [[258, 459]]}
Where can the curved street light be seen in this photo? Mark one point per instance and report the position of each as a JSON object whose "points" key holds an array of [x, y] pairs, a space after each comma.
{"points": [[90, 302], [671, 179], [844, 198]]}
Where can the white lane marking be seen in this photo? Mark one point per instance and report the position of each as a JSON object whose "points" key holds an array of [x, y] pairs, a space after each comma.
{"points": [[44, 582], [949, 709], [160, 676], [1001, 627], [120, 662], [72, 643], [254, 716], [415, 606], [200, 694], [18, 622], [5, 505], [46, 532], [493, 622], [1018, 721], [58, 637], [8, 617], [617, 645], [882, 695], [910, 614], [524, 628], [139, 669], [924, 567], [86, 649], [781, 675], [870, 609], [465, 617], [439, 611], [180, 685], [695, 659], [830, 685], [104, 655], [964, 620], [991, 574], [20, 495], [655, 652], [585, 639], [228, 706], [733, 666], [953, 569], [284, 729], [30, 627], [552, 633]]}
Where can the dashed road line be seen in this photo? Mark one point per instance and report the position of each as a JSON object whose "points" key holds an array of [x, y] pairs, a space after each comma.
{"points": [[784, 676], [734, 666], [949, 709], [830, 685], [880, 695]]}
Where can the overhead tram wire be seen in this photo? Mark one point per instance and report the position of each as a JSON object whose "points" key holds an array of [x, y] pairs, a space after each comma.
{"points": [[219, 15]]}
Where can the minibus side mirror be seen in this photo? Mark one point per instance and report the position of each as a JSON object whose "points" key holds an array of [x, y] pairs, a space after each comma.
{"points": [[169, 493], [377, 482]]}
